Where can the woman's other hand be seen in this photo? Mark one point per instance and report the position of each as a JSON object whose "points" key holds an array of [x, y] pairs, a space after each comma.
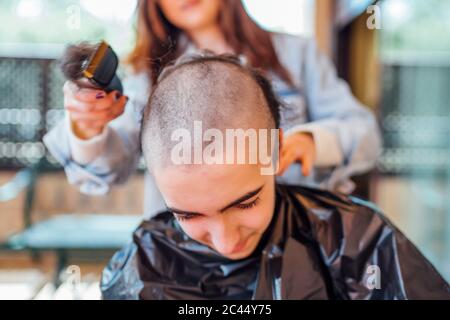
{"points": [[298, 147]]}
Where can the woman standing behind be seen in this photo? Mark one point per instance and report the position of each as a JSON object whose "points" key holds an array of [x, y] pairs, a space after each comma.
{"points": [[329, 135]]}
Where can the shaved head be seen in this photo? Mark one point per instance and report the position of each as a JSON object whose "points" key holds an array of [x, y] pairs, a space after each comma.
{"points": [[216, 90]]}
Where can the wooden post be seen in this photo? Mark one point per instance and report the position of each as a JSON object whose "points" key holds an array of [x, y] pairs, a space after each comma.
{"points": [[325, 12]]}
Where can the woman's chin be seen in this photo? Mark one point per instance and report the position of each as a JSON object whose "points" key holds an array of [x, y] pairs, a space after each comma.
{"points": [[193, 22]]}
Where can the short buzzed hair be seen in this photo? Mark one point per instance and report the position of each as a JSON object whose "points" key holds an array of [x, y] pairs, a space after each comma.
{"points": [[217, 90]]}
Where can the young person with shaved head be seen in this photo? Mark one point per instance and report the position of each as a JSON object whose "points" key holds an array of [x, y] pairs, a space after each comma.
{"points": [[230, 231]]}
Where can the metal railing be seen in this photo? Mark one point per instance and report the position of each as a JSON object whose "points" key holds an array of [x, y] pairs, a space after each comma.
{"points": [[415, 117], [31, 103]]}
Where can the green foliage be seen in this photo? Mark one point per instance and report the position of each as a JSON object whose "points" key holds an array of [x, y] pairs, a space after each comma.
{"points": [[53, 26], [423, 26]]}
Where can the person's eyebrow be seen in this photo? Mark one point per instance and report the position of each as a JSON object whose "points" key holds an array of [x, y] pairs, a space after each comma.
{"points": [[247, 196], [181, 212]]}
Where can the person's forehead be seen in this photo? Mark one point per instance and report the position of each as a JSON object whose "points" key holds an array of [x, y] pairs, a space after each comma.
{"points": [[206, 187], [212, 173]]}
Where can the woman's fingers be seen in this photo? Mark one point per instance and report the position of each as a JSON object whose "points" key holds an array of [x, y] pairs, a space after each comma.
{"points": [[286, 159], [82, 94], [117, 108], [92, 97], [90, 116], [297, 148], [307, 164], [77, 113], [106, 102], [72, 104]]}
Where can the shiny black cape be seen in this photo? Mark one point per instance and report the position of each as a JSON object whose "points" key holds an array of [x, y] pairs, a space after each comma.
{"points": [[319, 245]]}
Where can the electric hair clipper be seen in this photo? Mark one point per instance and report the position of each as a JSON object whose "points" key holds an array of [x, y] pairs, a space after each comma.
{"points": [[92, 66]]}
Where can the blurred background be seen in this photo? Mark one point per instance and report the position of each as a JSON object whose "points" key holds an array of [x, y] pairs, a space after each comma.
{"points": [[398, 65]]}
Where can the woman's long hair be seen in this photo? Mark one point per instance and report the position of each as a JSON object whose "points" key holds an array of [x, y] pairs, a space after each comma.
{"points": [[157, 39]]}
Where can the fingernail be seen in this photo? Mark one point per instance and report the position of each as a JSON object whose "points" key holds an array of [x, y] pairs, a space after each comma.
{"points": [[100, 95]]}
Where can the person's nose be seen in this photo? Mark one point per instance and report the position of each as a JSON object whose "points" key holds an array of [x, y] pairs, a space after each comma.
{"points": [[224, 235]]}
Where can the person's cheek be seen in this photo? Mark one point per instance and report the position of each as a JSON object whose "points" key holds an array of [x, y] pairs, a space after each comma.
{"points": [[171, 10], [257, 218], [262, 214], [195, 229], [249, 219], [253, 220]]}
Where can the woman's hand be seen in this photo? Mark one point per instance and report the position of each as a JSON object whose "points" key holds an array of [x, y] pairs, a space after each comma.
{"points": [[90, 110], [298, 147]]}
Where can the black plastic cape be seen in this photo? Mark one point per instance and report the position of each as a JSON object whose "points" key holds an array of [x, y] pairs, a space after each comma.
{"points": [[319, 245]]}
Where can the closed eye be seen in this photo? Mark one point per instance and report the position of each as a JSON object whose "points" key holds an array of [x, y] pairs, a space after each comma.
{"points": [[189, 216], [249, 205], [183, 217], [239, 204]]}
